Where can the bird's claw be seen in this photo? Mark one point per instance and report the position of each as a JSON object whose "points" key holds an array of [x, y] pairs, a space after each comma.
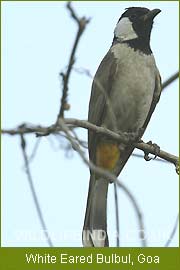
{"points": [[156, 151]]}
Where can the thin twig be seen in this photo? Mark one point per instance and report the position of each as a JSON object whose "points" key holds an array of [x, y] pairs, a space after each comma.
{"points": [[35, 148], [117, 215], [142, 156], [173, 231], [33, 192], [81, 23], [138, 213], [81, 142], [119, 137], [170, 80]]}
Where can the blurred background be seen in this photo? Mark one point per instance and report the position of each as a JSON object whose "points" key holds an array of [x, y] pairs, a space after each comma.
{"points": [[37, 38]]}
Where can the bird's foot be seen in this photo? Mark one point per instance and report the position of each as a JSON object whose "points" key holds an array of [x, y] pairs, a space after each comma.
{"points": [[156, 151]]}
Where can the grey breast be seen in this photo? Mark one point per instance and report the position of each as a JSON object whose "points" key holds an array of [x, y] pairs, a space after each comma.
{"points": [[133, 87]]}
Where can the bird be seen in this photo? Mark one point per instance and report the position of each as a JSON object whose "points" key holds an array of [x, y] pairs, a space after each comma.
{"points": [[125, 91]]}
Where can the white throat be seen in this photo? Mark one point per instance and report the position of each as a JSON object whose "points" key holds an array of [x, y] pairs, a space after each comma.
{"points": [[124, 30]]}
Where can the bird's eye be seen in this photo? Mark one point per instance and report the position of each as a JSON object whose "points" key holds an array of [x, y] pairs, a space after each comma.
{"points": [[133, 16]]}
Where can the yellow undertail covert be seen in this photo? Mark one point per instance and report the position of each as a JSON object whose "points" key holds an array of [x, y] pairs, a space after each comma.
{"points": [[107, 155]]}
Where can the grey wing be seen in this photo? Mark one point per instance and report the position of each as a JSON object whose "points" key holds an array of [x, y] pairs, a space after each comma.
{"points": [[156, 96], [101, 88]]}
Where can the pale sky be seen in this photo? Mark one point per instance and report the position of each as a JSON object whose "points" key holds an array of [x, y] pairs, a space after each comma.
{"points": [[36, 41]]}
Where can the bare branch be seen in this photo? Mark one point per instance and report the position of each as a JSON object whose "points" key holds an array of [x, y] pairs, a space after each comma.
{"points": [[35, 148], [32, 188], [121, 137], [142, 156], [170, 80], [138, 213], [71, 122], [117, 215], [173, 231], [81, 23]]}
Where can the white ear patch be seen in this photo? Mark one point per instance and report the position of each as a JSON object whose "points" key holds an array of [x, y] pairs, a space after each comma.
{"points": [[124, 30]]}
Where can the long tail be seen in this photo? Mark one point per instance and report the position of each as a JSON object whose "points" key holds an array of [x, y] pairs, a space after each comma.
{"points": [[95, 224]]}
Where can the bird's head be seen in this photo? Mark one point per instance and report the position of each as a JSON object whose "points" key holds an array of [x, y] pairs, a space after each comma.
{"points": [[135, 23]]}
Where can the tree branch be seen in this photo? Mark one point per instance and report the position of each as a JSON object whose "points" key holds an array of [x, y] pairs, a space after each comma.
{"points": [[121, 137], [72, 123], [81, 23], [170, 80], [117, 215], [173, 231], [32, 188], [142, 234]]}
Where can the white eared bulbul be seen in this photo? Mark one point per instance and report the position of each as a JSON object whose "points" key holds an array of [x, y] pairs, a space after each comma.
{"points": [[125, 91]]}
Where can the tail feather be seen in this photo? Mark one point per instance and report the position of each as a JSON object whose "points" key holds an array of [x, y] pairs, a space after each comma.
{"points": [[95, 225]]}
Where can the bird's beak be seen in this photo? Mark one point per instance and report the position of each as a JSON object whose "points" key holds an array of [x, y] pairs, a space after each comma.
{"points": [[151, 15]]}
